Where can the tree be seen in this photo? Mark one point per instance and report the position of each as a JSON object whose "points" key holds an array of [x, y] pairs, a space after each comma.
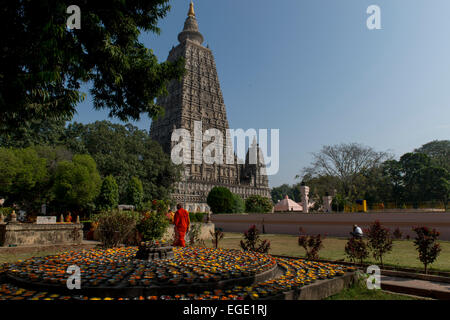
{"points": [[35, 132], [124, 151], [438, 151], [393, 185], [135, 192], [258, 204], [346, 162], [412, 164], [76, 182], [220, 200], [380, 241], [293, 192], [339, 202], [425, 243], [24, 177], [109, 194], [44, 63], [435, 183]]}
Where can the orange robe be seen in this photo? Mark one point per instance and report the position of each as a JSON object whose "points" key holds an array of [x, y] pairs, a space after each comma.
{"points": [[181, 222]]}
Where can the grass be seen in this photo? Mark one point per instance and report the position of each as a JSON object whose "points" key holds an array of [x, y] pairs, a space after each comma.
{"points": [[360, 292], [12, 257], [403, 254]]}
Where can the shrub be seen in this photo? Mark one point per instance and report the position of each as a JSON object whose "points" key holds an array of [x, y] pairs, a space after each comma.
{"points": [[397, 233], [311, 244], [161, 206], [109, 194], [153, 225], [238, 204], [220, 200], [194, 235], [217, 235], [252, 242], [6, 211], [115, 226], [356, 250], [425, 243], [135, 193], [380, 241], [258, 204], [197, 216], [200, 216]]}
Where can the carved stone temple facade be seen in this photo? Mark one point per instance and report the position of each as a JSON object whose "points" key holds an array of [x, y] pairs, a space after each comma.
{"points": [[198, 98]]}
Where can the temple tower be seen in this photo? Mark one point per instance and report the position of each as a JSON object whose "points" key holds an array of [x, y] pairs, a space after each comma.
{"points": [[198, 97]]}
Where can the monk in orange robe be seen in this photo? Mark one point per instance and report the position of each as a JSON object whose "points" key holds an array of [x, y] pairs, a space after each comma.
{"points": [[181, 222]]}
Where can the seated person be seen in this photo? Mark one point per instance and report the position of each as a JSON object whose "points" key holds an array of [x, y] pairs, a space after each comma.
{"points": [[357, 232]]}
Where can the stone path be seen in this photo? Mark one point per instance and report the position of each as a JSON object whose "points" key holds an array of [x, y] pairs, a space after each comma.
{"points": [[431, 289]]}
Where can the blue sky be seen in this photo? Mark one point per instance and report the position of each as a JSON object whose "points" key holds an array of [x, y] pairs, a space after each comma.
{"points": [[312, 69]]}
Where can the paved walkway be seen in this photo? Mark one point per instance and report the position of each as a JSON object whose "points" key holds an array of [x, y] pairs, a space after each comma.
{"points": [[432, 289]]}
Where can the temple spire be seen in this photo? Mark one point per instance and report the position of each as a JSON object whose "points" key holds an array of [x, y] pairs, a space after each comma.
{"points": [[190, 30], [191, 12]]}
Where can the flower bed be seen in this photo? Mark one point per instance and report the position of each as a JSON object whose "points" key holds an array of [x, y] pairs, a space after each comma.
{"points": [[193, 273]]}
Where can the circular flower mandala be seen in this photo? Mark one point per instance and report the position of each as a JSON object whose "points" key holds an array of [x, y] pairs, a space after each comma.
{"points": [[117, 268]]}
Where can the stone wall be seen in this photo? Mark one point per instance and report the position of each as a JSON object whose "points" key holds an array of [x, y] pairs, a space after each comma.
{"points": [[25, 234], [205, 229], [333, 224]]}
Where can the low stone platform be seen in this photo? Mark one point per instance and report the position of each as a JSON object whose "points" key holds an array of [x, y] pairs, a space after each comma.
{"points": [[151, 251], [23, 234], [38, 249]]}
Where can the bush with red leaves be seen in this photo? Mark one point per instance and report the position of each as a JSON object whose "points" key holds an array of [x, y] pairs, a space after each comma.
{"points": [[426, 245], [311, 244], [252, 242], [380, 241]]}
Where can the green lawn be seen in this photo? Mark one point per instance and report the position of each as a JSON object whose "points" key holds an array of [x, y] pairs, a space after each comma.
{"points": [[359, 292], [9, 257], [403, 254]]}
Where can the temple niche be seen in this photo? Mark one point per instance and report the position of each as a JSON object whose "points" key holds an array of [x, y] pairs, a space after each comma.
{"points": [[198, 97]]}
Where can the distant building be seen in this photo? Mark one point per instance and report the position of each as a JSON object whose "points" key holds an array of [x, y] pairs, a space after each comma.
{"points": [[287, 205]]}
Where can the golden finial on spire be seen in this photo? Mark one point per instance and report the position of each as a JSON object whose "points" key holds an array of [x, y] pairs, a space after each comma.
{"points": [[191, 12]]}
